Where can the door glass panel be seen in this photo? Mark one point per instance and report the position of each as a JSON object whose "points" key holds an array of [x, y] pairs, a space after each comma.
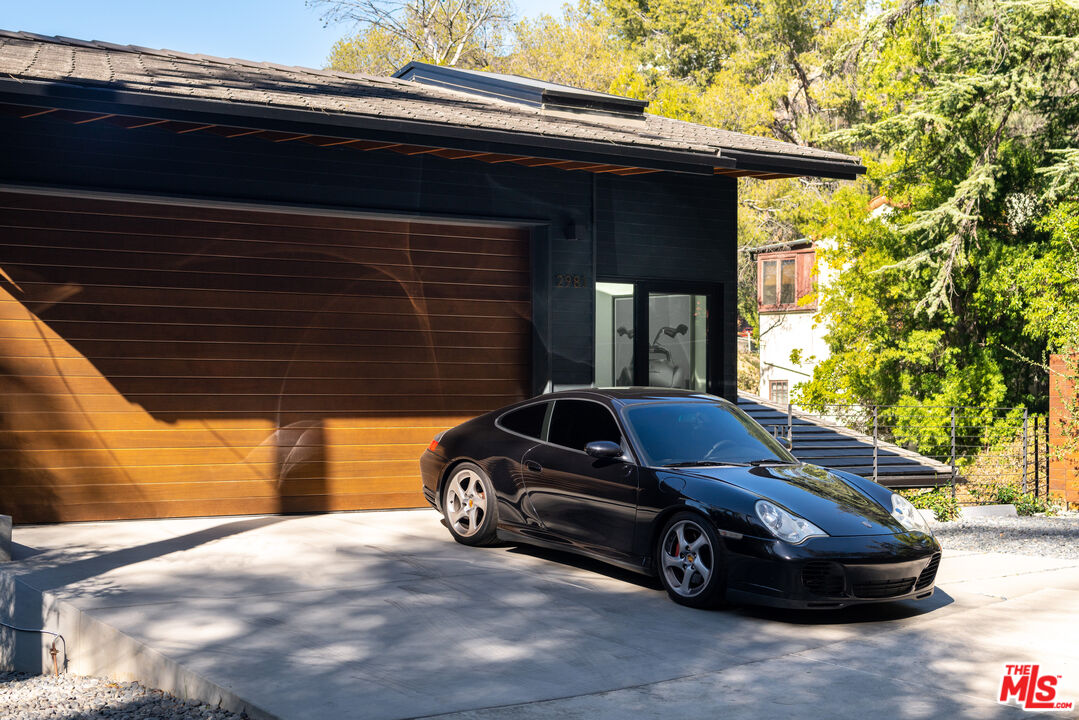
{"points": [[678, 341], [614, 334]]}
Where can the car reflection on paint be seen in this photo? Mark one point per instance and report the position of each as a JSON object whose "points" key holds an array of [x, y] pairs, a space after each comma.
{"points": [[684, 486]]}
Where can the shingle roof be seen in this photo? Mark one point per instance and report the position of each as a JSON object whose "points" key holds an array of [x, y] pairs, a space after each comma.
{"points": [[26, 56]]}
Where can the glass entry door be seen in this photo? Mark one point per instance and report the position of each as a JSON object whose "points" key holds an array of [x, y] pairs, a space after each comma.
{"points": [[655, 335], [678, 341]]}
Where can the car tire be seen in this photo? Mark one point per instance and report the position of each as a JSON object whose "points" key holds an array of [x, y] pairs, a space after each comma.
{"points": [[469, 506], [690, 561]]}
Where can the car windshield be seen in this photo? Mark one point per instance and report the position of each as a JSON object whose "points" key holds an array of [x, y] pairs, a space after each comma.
{"points": [[701, 433]]}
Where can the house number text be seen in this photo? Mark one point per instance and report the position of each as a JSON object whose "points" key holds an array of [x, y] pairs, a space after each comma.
{"points": [[570, 280]]}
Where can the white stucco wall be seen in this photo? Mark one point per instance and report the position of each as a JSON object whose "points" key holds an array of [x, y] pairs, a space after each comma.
{"points": [[781, 333]]}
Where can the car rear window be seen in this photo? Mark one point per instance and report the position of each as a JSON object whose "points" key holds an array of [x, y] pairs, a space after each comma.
{"points": [[575, 423], [526, 421]]}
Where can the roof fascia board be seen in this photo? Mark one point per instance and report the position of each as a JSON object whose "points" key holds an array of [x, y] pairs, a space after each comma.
{"points": [[107, 99], [793, 164]]}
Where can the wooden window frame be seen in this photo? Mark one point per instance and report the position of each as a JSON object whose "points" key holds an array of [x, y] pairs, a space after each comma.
{"points": [[771, 391], [804, 279]]}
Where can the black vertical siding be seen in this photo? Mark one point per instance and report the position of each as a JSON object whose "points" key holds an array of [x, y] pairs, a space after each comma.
{"points": [[656, 226]]}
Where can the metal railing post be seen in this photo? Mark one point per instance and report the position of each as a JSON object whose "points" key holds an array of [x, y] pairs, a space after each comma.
{"points": [[1037, 465], [1047, 457], [1025, 450], [953, 453], [874, 443]]}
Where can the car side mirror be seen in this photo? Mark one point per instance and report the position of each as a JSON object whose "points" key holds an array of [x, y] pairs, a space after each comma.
{"points": [[603, 449]]}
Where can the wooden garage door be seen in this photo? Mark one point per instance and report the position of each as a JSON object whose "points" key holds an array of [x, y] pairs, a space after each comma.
{"points": [[167, 360]]}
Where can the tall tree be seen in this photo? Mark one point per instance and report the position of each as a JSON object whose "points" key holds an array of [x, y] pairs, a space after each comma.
{"points": [[579, 48], [389, 33], [971, 115]]}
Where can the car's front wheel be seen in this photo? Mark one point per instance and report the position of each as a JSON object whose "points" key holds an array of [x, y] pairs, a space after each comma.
{"points": [[469, 506], [689, 559]]}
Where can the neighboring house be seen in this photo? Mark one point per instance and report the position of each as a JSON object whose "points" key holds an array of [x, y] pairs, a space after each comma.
{"points": [[792, 277], [789, 277], [233, 287]]}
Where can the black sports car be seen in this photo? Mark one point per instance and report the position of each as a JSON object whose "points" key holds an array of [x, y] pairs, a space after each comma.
{"points": [[684, 486]]}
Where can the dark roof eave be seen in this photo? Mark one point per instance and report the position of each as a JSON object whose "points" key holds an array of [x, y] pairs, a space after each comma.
{"points": [[93, 98], [794, 164], [782, 246]]}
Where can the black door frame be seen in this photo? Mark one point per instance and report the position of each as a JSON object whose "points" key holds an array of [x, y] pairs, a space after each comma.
{"points": [[714, 344]]}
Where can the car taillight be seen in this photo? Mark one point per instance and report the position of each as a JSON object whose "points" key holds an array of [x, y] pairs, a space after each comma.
{"points": [[433, 445]]}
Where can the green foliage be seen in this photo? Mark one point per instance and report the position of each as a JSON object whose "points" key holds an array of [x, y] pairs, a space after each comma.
{"points": [[939, 500], [955, 293], [579, 48], [388, 34], [373, 51], [1011, 494]]}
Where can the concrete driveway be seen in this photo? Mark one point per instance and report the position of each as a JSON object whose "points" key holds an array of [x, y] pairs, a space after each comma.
{"points": [[381, 615]]}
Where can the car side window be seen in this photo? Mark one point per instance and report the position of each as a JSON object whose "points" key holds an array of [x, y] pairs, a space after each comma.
{"points": [[527, 421], [575, 423]]}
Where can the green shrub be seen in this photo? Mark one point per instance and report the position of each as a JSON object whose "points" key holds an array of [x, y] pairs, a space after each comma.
{"points": [[940, 501], [1010, 493]]}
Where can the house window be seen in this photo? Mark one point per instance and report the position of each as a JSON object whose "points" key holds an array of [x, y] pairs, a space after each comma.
{"points": [[778, 282], [784, 280], [777, 391]]}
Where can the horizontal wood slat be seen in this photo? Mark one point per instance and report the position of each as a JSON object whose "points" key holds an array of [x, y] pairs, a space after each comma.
{"points": [[159, 350], [36, 294], [212, 490], [160, 360], [91, 232], [53, 511], [226, 217], [264, 368]]}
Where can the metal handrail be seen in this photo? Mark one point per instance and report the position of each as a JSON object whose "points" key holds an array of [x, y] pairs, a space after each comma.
{"points": [[992, 447]]}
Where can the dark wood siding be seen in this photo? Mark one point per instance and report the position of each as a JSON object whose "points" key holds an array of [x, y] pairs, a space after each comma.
{"points": [[167, 360], [661, 226]]}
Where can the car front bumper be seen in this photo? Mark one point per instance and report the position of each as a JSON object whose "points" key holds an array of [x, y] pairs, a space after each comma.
{"points": [[832, 572]]}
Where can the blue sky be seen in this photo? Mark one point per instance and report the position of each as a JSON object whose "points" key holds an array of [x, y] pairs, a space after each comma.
{"points": [[282, 31]]}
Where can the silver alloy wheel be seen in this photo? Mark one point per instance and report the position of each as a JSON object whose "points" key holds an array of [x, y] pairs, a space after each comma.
{"points": [[688, 558], [466, 502]]}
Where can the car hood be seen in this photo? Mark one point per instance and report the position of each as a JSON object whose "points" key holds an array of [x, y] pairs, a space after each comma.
{"points": [[822, 497]]}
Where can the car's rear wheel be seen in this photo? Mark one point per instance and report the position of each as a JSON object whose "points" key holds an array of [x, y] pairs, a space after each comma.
{"points": [[689, 559], [469, 505]]}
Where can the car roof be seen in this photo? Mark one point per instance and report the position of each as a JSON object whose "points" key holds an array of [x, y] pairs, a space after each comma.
{"points": [[634, 395]]}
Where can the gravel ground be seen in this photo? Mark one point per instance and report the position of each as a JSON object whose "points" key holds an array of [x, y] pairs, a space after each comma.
{"points": [[71, 697], [1044, 536]]}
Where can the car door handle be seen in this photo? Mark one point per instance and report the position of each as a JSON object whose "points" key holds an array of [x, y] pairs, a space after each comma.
{"points": [[533, 466]]}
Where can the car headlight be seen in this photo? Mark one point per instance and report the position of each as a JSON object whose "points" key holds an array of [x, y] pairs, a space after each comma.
{"points": [[907, 515], [785, 525]]}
